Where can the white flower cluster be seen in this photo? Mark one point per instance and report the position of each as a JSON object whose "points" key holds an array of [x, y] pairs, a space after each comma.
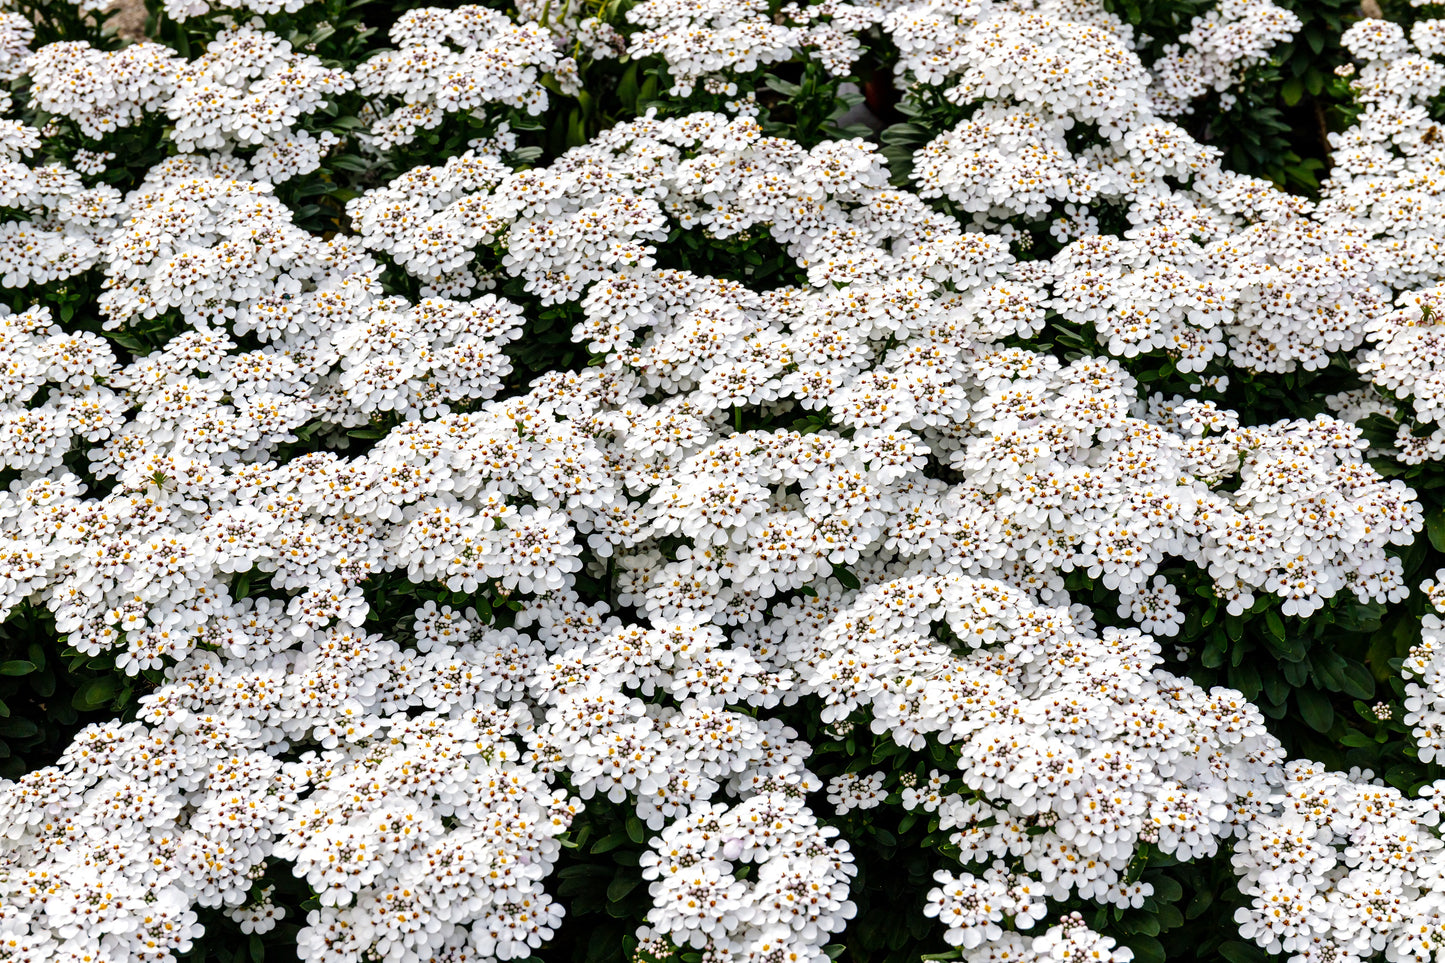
{"points": [[1220, 46], [17, 33], [1061, 59], [1074, 58], [420, 832], [1384, 181], [1341, 867], [458, 61], [1405, 358], [1309, 519], [1212, 264], [248, 91], [183, 10], [251, 90], [1424, 667], [895, 330], [796, 898], [722, 40], [973, 907], [101, 91], [144, 569], [1059, 772], [65, 223]]}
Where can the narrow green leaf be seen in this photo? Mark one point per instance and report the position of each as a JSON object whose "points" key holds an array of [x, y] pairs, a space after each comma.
{"points": [[1274, 625]]}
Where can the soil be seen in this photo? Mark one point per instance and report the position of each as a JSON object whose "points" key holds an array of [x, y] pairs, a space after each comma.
{"points": [[128, 17]]}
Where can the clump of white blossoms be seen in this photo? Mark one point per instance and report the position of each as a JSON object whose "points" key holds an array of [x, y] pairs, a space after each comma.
{"points": [[1220, 46], [1340, 866], [250, 90], [101, 90], [1424, 667], [1383, 186], [458, 61], [1036, 709], [183, 10], [721, 40], [1212, 265], [794, 901], [420, 831], [63, 223], [1019, 424]]}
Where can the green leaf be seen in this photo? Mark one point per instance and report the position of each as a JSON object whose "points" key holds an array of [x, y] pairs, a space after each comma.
{"points": [[1290, 648], [18, 729], [1435, 528], [1213, 655], [1292, 91], [1357, 681], [1148, 925], [627, 87], [1238, 952], [1201, 901], [1168, 890], [17, 667], [635, 830], [347, 162], [621, 886], [904, 134], [1147, 950], [1245, 678], [849, 580], [781, 86], [1315, 709], [609, 842], [1295, 673], [95, 694], [1403, 777], [1234, 627], [1274, 625]]}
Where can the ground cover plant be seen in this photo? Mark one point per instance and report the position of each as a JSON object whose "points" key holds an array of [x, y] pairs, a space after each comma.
{"points": [[671, 480]]}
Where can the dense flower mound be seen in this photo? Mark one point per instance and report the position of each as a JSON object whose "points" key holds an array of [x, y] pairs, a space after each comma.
{"points": [[504, 472]]}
